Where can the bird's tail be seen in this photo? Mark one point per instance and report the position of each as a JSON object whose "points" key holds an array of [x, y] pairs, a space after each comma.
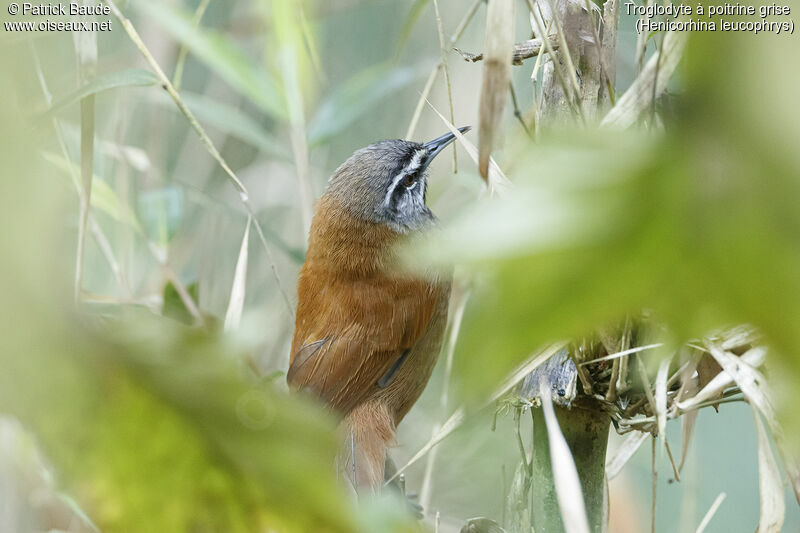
{"points": [[368, 432]]}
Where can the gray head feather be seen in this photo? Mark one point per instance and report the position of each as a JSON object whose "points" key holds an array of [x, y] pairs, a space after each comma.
{"points": [[386, 183]]}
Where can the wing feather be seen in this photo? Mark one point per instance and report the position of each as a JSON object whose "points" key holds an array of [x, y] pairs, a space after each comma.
{"points": [[349, 334]]}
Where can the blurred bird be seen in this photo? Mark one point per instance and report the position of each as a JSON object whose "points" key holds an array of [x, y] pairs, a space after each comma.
{"points": [[366, 336]]}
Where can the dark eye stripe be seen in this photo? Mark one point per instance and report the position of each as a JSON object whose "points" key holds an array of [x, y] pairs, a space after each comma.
{"points": [[402, 164], [398, 191]]}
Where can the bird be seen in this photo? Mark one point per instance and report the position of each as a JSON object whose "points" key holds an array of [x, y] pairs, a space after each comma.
{"points": [[367, 334]]}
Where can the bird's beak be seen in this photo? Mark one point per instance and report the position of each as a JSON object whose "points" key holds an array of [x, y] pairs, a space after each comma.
{"points": [[439, 143]]}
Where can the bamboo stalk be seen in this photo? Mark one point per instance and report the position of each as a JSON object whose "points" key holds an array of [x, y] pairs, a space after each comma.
{"points": [[586, 434]]}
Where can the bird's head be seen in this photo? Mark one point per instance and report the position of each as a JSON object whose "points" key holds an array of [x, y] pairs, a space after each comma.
{"points": [[386, 182]]}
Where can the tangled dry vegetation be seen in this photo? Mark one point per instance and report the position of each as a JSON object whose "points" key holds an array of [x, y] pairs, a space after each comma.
{"points": [[609, 373]]}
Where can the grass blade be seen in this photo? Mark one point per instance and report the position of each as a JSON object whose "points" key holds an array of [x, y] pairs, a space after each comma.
{"points": [[133, 77], [749, 380], [626, 450], [86, 50], [177, 77], [773, 507], [357, 96], [423, 97], [443, 50], [661, 401], [498, 183], [688, 422], [649, 84], [231, 121], [411, 20], [244, 195], [103, 197], [220, 54], [565, 475], [236, 302], [460, 414], [711, 512]]}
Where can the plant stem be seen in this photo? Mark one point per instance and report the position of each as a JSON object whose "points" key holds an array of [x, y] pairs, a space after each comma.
{"points": [[586, 433]]}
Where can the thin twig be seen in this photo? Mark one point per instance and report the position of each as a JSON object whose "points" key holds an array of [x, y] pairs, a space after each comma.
{"points": [[521, 445], [462, 26], [86, 49], [517, 112], [522, 51], [641, 40], [654, 484], [459, 415], [646, 382], [443, 51], [465, 21], [183, 293], [297, 136], [655, 84], [675, 471], [568, 93], [421, 102], [108, 253], [97, 232], [459, 305], [711, 512], [534, 74], [177, 77], [622, 353], [639, 95], [565, 49], [598, 46], [210, 147]]}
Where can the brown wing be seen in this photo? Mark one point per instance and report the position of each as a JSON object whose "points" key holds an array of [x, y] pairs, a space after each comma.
{"points": [[349, 334]]}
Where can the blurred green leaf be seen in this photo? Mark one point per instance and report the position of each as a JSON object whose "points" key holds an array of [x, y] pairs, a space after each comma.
{"points": [[161, 211], [151, 426], [358, 95], [681, 225], [103, 197], [411, 21], [133, 77], [164, 416], [230, 120], [221, 55], [77, 511], [173, 306]]}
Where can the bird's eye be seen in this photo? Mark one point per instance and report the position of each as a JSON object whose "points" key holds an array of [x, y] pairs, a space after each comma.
{"points": [[409, 180]]}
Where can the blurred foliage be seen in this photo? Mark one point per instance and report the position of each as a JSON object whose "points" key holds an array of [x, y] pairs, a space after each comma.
{"points": [[698, 222], [156, 426], [173, 307]]}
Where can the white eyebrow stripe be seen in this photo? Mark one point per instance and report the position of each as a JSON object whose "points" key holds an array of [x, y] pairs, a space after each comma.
{"points": [[410, 168], [395, 181]]}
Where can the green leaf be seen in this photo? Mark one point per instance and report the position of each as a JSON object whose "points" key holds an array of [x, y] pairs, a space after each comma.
{"points": [[103, 196], [600, 226], [173, 306], [411, 21], [149, 425], [230, 120], [161, 212], [134, 77], [220, 54], [358, 95], [153, 426]]}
